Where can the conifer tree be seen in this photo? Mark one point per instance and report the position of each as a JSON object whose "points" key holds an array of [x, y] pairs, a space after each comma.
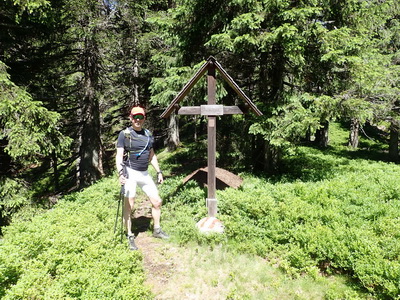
{"points": [[29, 131], [301, 62]]}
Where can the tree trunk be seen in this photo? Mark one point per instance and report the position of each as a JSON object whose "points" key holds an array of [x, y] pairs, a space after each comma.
{"points": [[90, 165], [272, 158], [271, 74], [308, 136], [266, 158], [394, 142], [56, 176], [195, 133], [322, 135], [135, 74], [354, 131], [173, 140]]}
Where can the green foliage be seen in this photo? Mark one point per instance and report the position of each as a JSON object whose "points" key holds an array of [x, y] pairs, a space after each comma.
{"points": [[332, 224], [30, 129], [32, 7], [304, 63], [13, 195], [327, 214], [302, 113], [71, 252]]}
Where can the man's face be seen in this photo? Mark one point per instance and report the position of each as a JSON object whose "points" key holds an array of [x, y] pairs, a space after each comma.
{"points": [[137, 120]]}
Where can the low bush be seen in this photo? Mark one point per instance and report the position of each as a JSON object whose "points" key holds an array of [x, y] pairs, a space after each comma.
{"points": [[71, 252], [344, 222], [328, 214]]}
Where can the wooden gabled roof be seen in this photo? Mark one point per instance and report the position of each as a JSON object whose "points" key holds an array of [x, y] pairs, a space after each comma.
{"points": [[211, 62]]}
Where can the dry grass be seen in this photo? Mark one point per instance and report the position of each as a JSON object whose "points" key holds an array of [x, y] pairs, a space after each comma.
{"points": [[195, 272]]}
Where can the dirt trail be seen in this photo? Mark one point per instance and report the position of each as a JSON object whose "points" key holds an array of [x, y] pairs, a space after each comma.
{"points": [[164, 265], [174, 272], [197, 273]]}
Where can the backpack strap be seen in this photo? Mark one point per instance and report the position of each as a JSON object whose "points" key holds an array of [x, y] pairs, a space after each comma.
{"points": [[128, 134], [147, 133]]}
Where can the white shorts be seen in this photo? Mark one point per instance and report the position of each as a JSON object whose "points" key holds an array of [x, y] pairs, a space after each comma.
{"points": [[142, 179]]}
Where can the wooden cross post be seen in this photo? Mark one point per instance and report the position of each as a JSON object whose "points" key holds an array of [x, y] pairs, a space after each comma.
{"points": [[212, 143], [211, 111]]}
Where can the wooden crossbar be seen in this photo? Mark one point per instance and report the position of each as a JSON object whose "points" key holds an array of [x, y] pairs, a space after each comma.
{"points": [[196, 110]]}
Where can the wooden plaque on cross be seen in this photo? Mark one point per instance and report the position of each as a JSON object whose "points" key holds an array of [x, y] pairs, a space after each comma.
{"points": [[211, 111]]}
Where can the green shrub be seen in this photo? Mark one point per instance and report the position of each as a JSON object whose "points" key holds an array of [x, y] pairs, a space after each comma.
{"points": [[346, 224], [13, 195], [71, 252], [329, 212]]}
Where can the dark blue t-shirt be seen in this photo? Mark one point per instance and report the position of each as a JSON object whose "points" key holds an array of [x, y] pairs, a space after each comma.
{"points": [[137, 146]]}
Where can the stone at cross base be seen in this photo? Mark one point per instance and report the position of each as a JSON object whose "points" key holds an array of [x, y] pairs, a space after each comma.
{"points": [[223, 179]]}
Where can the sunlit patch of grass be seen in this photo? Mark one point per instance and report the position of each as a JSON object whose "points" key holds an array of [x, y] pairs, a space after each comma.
{"points": [[221, 274]]}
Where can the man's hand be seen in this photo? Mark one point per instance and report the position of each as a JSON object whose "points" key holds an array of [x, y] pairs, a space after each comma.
{"points": [[160, 178], [122, 179]]}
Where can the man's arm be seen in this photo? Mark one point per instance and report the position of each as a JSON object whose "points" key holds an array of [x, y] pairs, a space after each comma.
{"points": [[119, 159], [156, 166]]}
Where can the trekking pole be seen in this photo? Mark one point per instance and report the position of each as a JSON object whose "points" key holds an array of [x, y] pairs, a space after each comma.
{"points": [[121, 197], [122, 210], [116, 217], [121, 202]]}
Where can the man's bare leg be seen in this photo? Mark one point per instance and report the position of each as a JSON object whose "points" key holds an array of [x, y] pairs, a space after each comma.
{"points": [[156, 213], [129, 203]]}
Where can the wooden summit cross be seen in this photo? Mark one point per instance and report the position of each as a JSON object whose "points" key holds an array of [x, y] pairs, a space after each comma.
{"points": [[211, 110]]}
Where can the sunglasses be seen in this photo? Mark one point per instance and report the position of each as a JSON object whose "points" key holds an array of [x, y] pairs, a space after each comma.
{"points": [[137, 117]]}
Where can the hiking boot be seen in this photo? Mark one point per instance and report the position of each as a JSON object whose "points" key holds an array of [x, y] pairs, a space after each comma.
{"points": [[131, 241], [158, 233]]}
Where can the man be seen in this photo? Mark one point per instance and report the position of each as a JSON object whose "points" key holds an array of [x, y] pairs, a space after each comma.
{"points": [[136, 143]]}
